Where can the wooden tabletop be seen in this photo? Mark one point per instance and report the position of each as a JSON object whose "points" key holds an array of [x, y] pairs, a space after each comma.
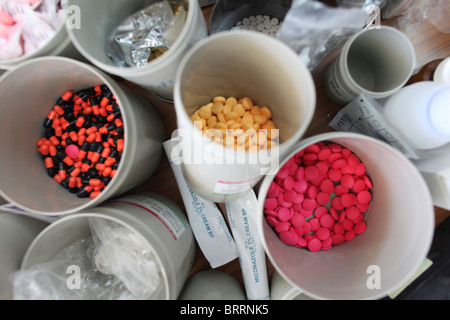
{"points": [[430, 42]]}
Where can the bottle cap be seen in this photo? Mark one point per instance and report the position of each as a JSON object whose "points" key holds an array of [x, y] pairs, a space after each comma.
{"points": [[442, 73], [440, 110]]}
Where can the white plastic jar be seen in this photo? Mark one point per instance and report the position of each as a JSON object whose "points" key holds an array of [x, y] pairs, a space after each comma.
{"points": [[421, 112]]}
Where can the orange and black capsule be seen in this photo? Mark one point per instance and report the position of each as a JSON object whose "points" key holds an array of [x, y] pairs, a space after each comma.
{"points": [[84, 192], [106, 99], [84, 150], [96, 155], [62, 171], [50, 165], [80, 122], [95, 106], [107, 128], [65, 97], [73, 185], [52, 115], [105, 154], [64, 158]]}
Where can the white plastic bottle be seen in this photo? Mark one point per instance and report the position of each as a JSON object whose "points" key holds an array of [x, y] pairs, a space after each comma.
{"points": [[421, 111], [442, 72]]}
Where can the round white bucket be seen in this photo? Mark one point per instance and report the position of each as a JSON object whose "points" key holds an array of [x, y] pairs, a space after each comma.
{"points": [[16, 234], [280, 289], [58, 45], [219, 66], [96, 29], [212, 285], [159, 221], [400, 228], [29, 92]]}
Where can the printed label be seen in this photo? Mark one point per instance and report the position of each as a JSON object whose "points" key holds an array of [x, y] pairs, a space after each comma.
{"points": [[242, 217], [162, 211], [224, 188], [206, 220], [361, 116], [334, 84]]}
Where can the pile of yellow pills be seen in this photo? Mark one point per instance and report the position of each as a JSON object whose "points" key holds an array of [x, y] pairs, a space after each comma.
{"points": [[237, 123]]}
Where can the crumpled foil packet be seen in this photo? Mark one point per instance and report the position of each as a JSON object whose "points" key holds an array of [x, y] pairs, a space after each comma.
{"points": [[147, 34]]}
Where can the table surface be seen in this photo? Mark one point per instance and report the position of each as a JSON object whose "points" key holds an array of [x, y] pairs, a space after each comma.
{"points": [[430, 42]]}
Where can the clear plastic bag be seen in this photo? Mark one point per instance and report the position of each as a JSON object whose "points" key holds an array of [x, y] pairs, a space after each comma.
{"points": [[34, 25], [125, 254], [419, 13], [361, 3], [115, 263], [315, 30], [434, 11], [411, 11], [52, 280]]}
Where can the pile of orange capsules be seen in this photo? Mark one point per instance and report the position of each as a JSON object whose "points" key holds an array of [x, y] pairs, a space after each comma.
{"points": [[83, 141]]}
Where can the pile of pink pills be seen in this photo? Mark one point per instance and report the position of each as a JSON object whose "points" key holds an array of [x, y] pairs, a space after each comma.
{"points": [[319, 198]]}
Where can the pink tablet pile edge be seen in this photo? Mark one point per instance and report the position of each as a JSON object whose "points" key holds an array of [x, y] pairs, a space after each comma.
{"points": [[319, 198]]}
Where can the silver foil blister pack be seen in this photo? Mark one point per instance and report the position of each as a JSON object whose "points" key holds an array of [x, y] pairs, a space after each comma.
{"points": [[146, 34]]}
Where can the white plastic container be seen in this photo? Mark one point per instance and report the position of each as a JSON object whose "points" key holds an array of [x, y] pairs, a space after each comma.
{"points": [[57, 45], [280, 289], [29, 92], [377, 61], [400, 229], [436, 172], [100, 18], [421, 112], [212, 285], [159, 221], [16, 234], [442, 72], [218, 66]]}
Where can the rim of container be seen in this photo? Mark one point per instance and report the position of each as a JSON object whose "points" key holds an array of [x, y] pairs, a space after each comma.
{"points": [[87, 215], [156, 64], [178, 100], [348, 47], [267, 180], [86, 203], [11, 63]]}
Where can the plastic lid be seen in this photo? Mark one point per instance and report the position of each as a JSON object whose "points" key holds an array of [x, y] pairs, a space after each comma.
{"points": [[442, 73], [440, 110]]}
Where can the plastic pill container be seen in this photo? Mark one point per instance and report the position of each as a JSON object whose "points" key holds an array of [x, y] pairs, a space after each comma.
{"points": [[29, 91], [400, 228], [217, 66], [421, 112], [154, 222]]}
